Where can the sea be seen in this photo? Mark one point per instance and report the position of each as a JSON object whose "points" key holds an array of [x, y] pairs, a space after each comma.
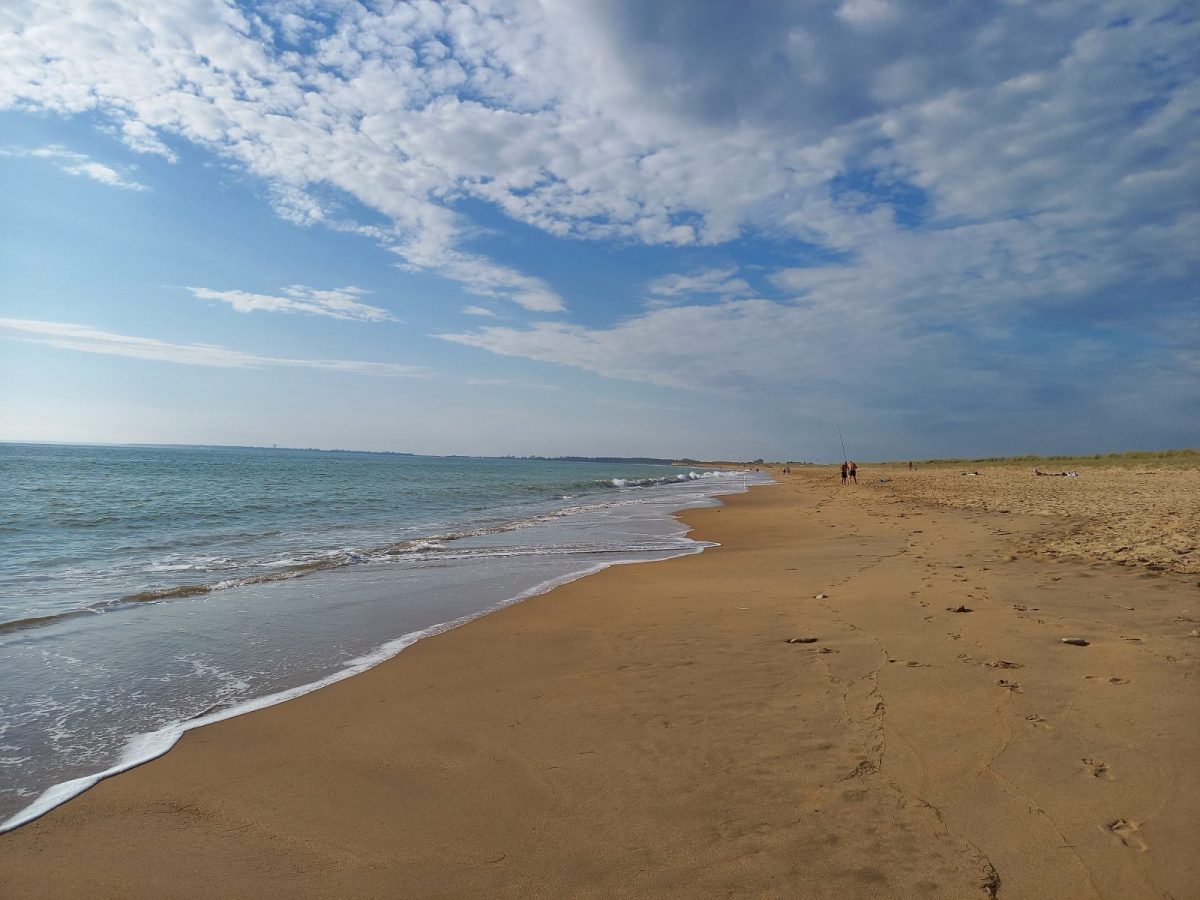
{"points": [[148, 590]]}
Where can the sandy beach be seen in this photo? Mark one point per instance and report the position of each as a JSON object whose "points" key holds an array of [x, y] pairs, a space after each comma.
{"points": [[863, 692]]}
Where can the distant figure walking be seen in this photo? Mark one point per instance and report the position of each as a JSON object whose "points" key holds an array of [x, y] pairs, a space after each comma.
{"points": [[854, 471], [845, 471], [910, 465]]}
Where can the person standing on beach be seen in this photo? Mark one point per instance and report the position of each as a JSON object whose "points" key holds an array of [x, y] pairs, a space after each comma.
{"points": [[854, 471], [845, 470]]}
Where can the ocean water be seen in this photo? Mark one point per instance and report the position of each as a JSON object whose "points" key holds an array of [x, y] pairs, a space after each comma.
{"points": [[146, 590]]}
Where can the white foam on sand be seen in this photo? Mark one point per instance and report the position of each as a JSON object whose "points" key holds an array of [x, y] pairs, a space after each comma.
{"points": [[142, 748]]}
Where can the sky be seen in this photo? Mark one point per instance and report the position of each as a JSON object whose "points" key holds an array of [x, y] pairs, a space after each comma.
{"points": [[680, 228]]}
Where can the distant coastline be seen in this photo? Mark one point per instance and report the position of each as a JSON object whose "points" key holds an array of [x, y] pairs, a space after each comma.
{"points": [[633, 460]]}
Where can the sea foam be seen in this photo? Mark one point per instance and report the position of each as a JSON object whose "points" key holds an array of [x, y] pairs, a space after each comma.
{"points": [[143, 748]]}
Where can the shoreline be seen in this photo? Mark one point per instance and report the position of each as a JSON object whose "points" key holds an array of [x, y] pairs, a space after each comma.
{"points": [[647, 728], [92, 695], [146, 747]]}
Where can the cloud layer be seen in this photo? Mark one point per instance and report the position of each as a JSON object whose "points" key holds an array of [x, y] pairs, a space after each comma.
{"points": [[339, 303], [85, 339]]}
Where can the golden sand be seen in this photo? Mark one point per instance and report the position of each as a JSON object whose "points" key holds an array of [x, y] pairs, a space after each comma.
{"points": [[801, 712], [1134, 515]]}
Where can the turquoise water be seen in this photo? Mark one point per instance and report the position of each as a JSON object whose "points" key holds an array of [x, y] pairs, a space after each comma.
{"points": [[146, 588]]}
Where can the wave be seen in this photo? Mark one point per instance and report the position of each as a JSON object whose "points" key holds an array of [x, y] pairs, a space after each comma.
{"points": [[292, 567], [667, 479], [36, 621]]}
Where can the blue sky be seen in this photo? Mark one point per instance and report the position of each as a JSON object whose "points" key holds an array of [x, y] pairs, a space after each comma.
{"points": [[610, 228]]}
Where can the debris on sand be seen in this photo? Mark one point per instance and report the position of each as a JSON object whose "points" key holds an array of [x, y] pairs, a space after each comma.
{"points": [[802, 640], [1077, 642]]}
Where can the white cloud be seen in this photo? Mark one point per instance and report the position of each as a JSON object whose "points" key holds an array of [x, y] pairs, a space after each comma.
{"points": [[340, 303], [867, 12], [717, 281], [656, 125], [74, 163], [674, 346], [86, 339], [480, 275], [881, 370], [478, 311], [509, 383]]}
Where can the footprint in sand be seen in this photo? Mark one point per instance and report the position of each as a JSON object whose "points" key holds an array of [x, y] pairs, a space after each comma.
{"points": [[1004, 664], [1010, 685], [1132, 640], [1128, 833], [1036, 720], [1097, 769]]}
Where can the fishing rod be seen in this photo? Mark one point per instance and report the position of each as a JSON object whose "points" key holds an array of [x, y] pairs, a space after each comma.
{"points": [[844, 455]]}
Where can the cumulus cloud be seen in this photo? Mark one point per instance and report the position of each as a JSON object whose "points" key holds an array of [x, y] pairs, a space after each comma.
{"points": [[78, 164], [339, 303], [634, 121], [85, 339]]}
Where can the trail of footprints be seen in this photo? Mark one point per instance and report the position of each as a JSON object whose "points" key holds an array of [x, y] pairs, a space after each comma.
{"points": [[1126, 831]]}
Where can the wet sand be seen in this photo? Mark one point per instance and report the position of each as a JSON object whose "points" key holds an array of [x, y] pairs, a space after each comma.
{"points": [[651, 731]]}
